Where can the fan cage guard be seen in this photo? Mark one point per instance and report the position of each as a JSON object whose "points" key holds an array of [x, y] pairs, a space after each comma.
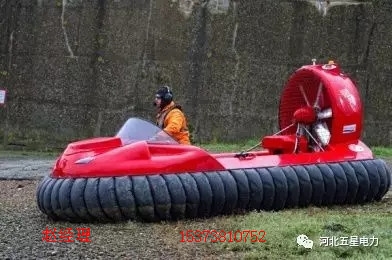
{"points": [[310, 77]]}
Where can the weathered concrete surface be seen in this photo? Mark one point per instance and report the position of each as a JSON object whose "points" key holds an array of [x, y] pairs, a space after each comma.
{"points": [[80, 69], [17, 168]]}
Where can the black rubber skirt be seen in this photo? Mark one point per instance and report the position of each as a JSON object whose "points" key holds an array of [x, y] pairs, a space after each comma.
{"points": [[205, 194]]}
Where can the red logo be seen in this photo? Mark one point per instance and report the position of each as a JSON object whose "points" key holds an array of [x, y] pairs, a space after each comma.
{"points": [[66, 235]]}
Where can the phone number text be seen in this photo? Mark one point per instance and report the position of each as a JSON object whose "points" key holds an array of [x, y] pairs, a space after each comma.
{"points": [[213, 236]]}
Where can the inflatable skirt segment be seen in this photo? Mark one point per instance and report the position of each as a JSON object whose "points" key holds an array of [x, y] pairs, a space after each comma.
{"points": [[205, 194]]}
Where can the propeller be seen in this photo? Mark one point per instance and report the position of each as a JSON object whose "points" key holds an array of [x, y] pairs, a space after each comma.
{"points": [[314, 116]]}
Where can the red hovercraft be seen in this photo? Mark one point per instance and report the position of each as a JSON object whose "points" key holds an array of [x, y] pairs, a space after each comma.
{"points": [[315, 159]]}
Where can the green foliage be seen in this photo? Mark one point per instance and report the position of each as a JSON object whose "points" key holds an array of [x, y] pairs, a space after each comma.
{"points": [[382, 151]]}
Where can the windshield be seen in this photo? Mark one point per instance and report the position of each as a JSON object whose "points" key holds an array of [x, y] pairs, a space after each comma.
{"points": [[136, 129]]}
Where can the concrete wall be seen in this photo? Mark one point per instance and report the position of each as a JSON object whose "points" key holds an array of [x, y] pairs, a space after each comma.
{"points": [[79, 70]]}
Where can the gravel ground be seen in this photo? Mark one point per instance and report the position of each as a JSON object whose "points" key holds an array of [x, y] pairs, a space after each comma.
{"points": [[21, 225]]}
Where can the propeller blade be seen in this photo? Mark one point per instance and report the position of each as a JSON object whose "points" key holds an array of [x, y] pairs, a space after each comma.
{"points": [[316, 102], [325, 114], [304, 95], [323, 133]]}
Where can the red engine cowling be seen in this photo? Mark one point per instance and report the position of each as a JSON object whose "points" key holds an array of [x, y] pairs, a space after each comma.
{"points": [[324, 89]]}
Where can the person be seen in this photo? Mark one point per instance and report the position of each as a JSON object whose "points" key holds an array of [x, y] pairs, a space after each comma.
{"points": [[170, 117]]}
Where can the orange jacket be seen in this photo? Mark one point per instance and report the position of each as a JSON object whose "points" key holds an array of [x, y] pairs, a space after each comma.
{"points": [[173, 121]]}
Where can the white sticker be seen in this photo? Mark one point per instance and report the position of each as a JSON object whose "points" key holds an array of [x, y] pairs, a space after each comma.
{"points": [[347, 129], [346, 94], [356, 148], [2, 96]]}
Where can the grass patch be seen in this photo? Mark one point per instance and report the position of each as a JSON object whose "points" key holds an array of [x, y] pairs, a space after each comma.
{"points": [[282, 229], [367, 222], [382, 151]]}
